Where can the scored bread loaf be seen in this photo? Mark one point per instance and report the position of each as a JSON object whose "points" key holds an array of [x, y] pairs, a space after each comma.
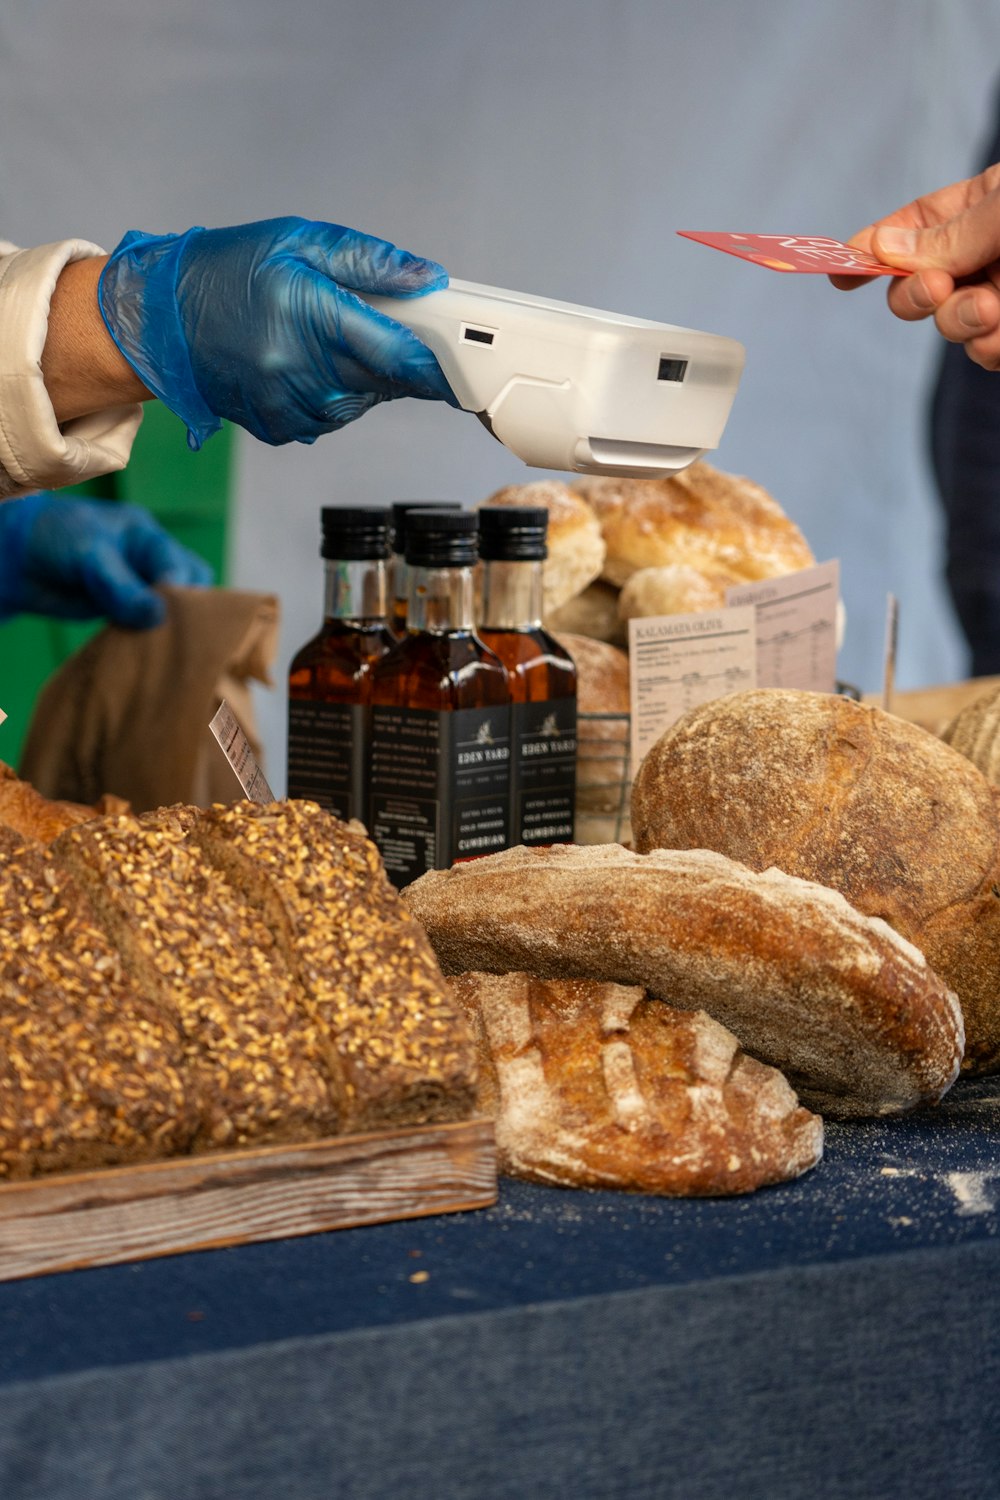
{"points": [[595, 1085], [843, 1005], [575, 549], [842, 793], [702, 518]]}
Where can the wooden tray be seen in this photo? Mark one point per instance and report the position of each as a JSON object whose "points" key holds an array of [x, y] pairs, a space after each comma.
{"points": [[229, 1198]]}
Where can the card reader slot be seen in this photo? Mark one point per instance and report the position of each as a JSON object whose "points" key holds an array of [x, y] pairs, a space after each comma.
{"points": [[472, 335], [672, 367]]}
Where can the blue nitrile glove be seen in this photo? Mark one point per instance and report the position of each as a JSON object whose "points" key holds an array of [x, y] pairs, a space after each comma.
{"points": [[80, 559], [258, 324]]}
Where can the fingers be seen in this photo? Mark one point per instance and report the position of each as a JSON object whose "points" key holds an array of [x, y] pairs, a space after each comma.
{"points": [[367, 264], [914, 297], [961, 245], [158, 557], [116, 589], [400, 364]]}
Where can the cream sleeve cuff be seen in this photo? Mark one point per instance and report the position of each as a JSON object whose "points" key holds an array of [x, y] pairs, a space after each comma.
{"points": [[35, 452]]}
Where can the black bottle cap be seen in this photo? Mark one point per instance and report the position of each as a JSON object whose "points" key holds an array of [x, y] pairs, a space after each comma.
{"points": [[513, 533], [400, 510], [442, 538], [355, 533]]}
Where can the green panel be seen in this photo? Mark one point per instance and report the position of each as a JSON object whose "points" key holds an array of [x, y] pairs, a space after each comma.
{"points": [[189, 495]]}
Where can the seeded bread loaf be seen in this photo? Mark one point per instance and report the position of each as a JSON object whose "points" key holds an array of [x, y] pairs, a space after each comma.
{"points": [[843, 1005], [595, 1085], [260, 1063], [91, 1072], [842, 793], [363, 965]]}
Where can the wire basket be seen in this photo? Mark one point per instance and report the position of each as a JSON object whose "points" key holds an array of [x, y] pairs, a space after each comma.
{"points": [[603, 779]]}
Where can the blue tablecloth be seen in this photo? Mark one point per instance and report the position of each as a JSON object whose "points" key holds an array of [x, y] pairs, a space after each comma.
{"points": [[836, 1337]]}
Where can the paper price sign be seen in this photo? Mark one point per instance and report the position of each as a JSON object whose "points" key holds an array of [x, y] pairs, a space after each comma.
{"points": [[680, 661], [796, 627]]}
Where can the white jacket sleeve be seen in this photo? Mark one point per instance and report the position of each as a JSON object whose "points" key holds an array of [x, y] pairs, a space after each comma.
{"points": [[35, 452]]}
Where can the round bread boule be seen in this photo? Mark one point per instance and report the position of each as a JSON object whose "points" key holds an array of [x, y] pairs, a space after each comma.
{"points": [[841, 793], [701, 518]]}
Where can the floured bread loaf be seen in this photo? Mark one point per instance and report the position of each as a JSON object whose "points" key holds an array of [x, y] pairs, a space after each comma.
{"points": [[595, 1085], [975, 733], [701, 518], [576, 551], [842, 793], [844, 1006], [675, 590]]}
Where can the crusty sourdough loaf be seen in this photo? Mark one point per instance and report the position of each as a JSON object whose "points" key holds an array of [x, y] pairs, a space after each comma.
{"points": [[842, 793], [975, 733], [259, 1062], [575, 548], [843, 1005], [362, 963], [91, 1072], [595, 1085], [26, 810], [701, 518], [593, 613]]}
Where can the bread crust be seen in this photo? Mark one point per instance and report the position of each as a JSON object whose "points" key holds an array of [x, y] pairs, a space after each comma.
{"points": [[595, 1085], [844, 794], [845, 1007], [713, 522]]}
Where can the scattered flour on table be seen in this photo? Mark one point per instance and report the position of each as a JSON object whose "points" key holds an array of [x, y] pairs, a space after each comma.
{"points": [[974, 1191]]}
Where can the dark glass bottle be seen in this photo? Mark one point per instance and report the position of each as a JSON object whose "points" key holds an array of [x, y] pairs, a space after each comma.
{"points": [[542, 674], [329, 680], [399, 586], [440, 714]]}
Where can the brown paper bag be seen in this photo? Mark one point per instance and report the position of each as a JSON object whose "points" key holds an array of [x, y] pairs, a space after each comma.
{"points": [[129, 712]]}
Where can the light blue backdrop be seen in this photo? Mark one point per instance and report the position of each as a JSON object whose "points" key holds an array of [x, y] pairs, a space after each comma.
{"points": [[553, 147]]}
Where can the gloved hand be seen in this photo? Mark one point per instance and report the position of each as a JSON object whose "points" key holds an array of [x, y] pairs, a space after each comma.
{"points": [[259, 324], [80, 559]]}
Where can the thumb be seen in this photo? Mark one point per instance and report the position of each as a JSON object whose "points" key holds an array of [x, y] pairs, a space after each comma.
{"points": [[962, 245]]}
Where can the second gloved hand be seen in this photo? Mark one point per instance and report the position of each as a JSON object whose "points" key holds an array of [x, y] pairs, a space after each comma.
{"points": [[81, 559], [260, 324]]}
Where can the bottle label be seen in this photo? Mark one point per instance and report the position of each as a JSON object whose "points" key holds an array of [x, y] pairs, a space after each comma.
{"points": [[440, 789], [328, 745], [543, 779]]}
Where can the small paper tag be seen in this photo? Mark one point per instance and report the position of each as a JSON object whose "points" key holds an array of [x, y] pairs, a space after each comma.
{"points": [[891, 643], [796, 252], [679, 661], [2, 716], [236, 748], [796, 627]]}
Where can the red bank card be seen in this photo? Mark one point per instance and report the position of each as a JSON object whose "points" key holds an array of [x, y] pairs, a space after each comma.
{"points": [[797, 252]]}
